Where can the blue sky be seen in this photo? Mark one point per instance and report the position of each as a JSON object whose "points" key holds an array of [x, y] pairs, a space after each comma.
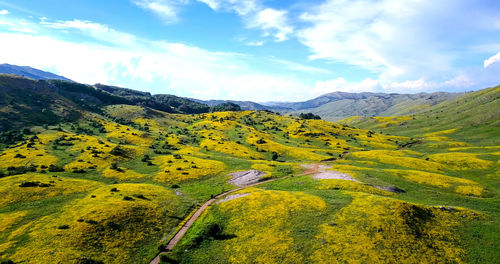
{"points": [[260, 50]]}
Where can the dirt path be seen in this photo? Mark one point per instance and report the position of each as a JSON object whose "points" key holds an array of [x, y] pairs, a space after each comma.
{"points": [[171, 244]]}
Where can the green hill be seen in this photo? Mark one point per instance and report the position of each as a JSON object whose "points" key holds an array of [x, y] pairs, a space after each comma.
{"points": [[102, 174], [473, 116]]}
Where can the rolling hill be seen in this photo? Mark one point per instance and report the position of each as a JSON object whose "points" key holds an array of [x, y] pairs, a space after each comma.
{"points": [[102, 174], [340, 105]]}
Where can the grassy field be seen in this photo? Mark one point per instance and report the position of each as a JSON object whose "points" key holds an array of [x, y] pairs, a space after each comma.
{"points": [[113, 187]]}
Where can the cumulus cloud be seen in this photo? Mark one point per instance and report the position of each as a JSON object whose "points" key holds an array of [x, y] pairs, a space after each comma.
{"points": [[341, 85], [155, 66], [240, 7], [272, 21], [4, 12], [166, 9], [493, 59], [94, 30], [395, 39]]}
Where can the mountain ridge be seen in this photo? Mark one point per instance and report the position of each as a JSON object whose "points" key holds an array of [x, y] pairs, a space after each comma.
{"points": [[30, 72]]}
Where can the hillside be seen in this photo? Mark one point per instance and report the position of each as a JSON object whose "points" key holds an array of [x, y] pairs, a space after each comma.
{"points": [[245, 105], [30, 72], [108, 178], [474, 116], [25, 102], [340, 105]]}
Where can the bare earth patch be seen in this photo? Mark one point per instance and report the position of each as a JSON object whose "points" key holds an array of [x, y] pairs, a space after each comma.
{"points": [[232, 197], [244, 178], [334, 175], [321, 172]]}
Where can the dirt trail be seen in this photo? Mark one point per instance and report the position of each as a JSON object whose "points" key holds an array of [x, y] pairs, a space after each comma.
{"points": [[171, 244]]}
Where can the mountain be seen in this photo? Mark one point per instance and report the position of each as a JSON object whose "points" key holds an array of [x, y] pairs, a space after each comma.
{"points": [[472, 116], [25, 101], [29, 72], [332, 106], [245, 105], [339, 105]]}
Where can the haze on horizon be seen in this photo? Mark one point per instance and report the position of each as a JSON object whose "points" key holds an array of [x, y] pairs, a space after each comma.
{"points": [[259, 50]]}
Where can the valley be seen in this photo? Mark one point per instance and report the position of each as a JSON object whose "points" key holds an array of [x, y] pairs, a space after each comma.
{"points": [[99, 174]]}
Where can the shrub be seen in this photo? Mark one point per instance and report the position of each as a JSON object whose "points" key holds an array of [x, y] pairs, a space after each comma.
{"points": [[34, 184], [260, 141], [54, 168], [118, 151], [85, 260], [19, 156], [63, 227], [309, 116], [128, 198], [282, 170]]}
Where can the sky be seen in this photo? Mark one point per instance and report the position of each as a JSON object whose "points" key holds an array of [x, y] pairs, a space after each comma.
{"points": [[259, 50]]}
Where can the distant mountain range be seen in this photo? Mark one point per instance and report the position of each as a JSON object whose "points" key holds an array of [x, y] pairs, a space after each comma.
{"points": [[332, 106], [339, 105], [29, 72]]}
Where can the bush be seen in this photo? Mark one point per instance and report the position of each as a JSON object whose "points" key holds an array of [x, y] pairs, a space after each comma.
{"points": [[283, 170], [20, 170], [54, 168], [85, 260], [164, 258], [260, 141], [34, 184], [309, 116], [19, 156], [118, 151], [63, 227]]}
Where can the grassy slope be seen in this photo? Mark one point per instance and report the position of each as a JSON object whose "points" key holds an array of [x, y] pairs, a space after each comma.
{"points": [[293, 219]]}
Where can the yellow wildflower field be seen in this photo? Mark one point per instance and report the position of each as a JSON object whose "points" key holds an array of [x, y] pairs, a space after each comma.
{"points": [[104, 226], [11, 191], [378, 229], [185, 167]]}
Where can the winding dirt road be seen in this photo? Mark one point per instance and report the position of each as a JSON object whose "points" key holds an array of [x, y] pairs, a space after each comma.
{"points": [[171, 244]]}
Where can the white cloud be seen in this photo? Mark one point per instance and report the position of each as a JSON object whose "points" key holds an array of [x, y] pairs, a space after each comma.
{"points": [[393, 38], [272, 21], [406, 87], [255, 43], [341, 85], [95, 30], [493, 59], [166, 9], [4, 12], [299, 67], [240, 7], [158, 67]]}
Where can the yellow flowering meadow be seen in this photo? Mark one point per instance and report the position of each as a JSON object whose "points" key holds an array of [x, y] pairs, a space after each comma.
{"points": [[375, 229], [461, 161], [11, 192], [262, 223], [105, 226], [185, 167]]}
